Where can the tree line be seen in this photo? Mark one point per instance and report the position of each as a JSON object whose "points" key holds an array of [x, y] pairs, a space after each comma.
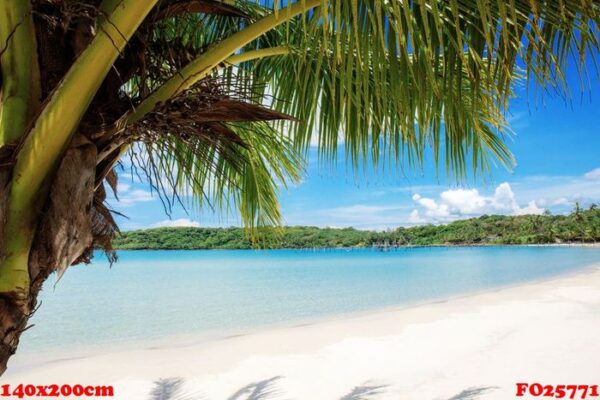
{"points": [[580, 226]]}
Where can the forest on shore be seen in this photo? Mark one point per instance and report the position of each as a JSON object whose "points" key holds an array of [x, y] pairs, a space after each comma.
{"points": [[581, 226]]}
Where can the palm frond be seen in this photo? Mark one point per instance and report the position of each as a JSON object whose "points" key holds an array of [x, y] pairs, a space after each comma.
{"points": [[173, 8], [207, 149], [398, 77], [388, 80]]}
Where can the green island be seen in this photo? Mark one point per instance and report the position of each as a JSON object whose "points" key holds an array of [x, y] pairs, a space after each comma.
{"points": [[580, 226]]}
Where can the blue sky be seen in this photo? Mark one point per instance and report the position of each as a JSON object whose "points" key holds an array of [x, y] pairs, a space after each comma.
{"points": [[556, 145]]}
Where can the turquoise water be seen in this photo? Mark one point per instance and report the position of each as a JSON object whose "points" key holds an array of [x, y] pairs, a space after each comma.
{"points": [[153, 295]]}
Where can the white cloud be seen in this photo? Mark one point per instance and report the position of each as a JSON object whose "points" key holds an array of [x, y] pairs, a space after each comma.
{"points": [[593, 175], [415, 218], [123, 188], [461, 203], [531, 209], [561, 201], [560, 192], [128, 196], [432, 208], [135, 196], [446, 206], [176, 223], [360, 216]]}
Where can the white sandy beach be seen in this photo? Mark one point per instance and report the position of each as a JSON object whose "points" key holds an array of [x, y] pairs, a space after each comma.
{"points": [[474, 347]]}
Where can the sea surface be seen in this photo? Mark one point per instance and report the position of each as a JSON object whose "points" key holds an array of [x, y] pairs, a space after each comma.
{"points": [[152, 296]]}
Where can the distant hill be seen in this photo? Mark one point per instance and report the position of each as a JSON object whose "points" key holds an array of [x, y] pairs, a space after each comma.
{"points": [[579, 226]]}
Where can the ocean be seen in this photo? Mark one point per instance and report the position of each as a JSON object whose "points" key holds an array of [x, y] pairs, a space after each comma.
{"points": [[156, 296]]}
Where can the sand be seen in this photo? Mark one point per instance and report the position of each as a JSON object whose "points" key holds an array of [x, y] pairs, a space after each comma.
{"points": [[473, 347]]}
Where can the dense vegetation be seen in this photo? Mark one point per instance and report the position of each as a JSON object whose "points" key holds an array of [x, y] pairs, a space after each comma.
{"points": [[579, 226]]}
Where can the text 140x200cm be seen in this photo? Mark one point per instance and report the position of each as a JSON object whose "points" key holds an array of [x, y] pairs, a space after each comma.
{"points": [[22, 391]]}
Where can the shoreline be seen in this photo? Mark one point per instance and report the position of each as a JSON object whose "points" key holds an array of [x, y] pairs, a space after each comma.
{"points": [[273, 351], [207, 337], [433, 246]]}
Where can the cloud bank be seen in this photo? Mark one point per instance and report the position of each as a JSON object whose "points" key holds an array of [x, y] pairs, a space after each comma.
{"points": [[593, 175], [176, 223], [464, 203]]}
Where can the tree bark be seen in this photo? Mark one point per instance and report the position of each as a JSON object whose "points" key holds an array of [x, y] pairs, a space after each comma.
{"points": [[63, 235], [14, 316]]}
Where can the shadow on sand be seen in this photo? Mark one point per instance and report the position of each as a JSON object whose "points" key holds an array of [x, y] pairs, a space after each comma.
{"points": [[171, 389], [473, 393], [257, 391], [364, 392]]}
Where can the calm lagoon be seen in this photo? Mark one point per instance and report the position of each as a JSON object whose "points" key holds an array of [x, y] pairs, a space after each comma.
{"points": [[155, 295]]}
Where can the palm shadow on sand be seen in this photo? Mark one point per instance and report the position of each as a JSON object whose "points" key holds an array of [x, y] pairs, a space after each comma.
{"points": [[260, 390], [263, 390], [171, 389], [473, 393], [364, 392]]}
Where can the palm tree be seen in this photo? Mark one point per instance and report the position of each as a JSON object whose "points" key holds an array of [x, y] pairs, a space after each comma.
{"points": [[187, 87]]}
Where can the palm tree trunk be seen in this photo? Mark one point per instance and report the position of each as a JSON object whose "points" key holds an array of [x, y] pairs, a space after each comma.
{"points": [[47, 192], [13, 321], [63, 237]]}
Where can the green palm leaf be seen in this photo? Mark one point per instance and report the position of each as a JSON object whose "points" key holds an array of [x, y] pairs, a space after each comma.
{"points": [[391, 80]]}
